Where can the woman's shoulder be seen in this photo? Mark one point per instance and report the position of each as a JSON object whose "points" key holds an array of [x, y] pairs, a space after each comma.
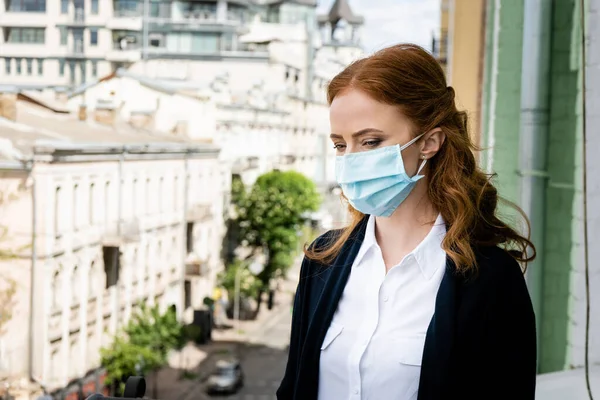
{"points": [[496, 267], [312, 267], [326, 239]]}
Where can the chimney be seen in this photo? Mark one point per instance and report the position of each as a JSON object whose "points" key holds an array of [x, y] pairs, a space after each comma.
{"points": [[82, 112], [8, 106]]}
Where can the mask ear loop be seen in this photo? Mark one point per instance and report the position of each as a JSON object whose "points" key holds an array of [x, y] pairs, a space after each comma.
{"points": [[421, 167], [408, 144], [411, 141]]}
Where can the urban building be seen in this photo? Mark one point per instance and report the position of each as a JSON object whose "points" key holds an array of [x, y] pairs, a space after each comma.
{"points": [[123, 123], [461, 51], [101, 214], [532, 131]]}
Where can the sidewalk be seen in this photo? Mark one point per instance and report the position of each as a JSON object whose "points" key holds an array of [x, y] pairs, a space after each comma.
{"points": [[193, 363]]}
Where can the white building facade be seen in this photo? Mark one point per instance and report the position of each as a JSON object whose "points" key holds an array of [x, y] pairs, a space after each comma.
{"points": [[111, 224]]}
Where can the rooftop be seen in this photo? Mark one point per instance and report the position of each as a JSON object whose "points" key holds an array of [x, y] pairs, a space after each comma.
{"points": [[41, 130]]}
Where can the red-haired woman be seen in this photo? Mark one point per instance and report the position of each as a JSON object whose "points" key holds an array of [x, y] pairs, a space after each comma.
{"points": [[422, 297]]}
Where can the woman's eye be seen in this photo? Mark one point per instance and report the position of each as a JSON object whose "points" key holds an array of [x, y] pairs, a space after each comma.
{"points": [[371, 143], [339, 147]]}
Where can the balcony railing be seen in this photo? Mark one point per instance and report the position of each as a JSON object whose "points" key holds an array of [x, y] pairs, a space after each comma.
{"points": [[128, 8], [77, 49]]}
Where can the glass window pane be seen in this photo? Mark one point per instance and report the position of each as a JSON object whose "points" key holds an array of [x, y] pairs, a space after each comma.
{"points": [[40, 63], [7, 65], [27, 5], [29, 65], [63, 36], [93, 37], [83, 68], [94, 6], [18, 65], [64, 6], [61, 67]]}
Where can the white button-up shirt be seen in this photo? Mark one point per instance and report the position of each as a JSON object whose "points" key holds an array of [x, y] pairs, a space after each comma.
{"points": [[374, 345]]}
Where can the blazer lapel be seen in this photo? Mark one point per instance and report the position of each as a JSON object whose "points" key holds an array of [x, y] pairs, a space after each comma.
{"points": [[439, 341], [335, 283]]}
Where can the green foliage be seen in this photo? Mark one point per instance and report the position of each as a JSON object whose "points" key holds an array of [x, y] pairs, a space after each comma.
{"points": [[160, 332], [271, 215], [124, 359], [144, 344], [249, 284]]}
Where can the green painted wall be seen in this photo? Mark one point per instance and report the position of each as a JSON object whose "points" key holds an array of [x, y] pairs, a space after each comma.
{"points": [[501, 126], [503, 108], [562, 236]]}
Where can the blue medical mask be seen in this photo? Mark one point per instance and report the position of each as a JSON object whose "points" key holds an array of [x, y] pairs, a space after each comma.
{"points": [[375, 182]]}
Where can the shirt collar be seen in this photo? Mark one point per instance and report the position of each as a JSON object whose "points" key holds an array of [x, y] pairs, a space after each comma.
{"points": [[428, 254]]}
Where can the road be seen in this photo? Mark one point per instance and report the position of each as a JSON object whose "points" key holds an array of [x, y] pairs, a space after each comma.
{"points": [[263, 361]]}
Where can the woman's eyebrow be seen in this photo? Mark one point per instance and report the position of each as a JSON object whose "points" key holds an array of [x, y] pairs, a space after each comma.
{"points": [[358, 133]]}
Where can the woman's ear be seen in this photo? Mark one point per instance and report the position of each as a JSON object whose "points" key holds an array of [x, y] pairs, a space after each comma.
{"points": [[432, 143]]}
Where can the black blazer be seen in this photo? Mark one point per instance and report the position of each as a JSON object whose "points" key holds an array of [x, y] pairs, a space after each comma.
{"points": [[481, 342]]}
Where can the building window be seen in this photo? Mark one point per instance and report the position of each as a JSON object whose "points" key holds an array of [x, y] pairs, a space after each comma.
{"points": [[61, 67], [72, 71], [93, 37], [7, 65], [187, 289], [18, 65], [189, 237], [64, 6], [83, 68], [29, 62], [27, 5], [112, 257], [40, 65], [25, 35], [95, 7], [94, 69], [63, 35], [127, 8]]}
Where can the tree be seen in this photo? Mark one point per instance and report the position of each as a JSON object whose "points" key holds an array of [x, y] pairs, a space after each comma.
{"points": [[160, 332], [143, 346], [249, 283], [124, 359], [270, 217]]}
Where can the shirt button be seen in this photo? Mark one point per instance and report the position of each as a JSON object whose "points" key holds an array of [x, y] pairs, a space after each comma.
{"points": [[355, 391], [386, 298]]}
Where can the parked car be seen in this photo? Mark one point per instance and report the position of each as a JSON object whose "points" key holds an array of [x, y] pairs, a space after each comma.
{"points": [[227, 378]]}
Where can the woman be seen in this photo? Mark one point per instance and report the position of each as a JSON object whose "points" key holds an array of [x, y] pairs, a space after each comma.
{"points": [[422, 297]]}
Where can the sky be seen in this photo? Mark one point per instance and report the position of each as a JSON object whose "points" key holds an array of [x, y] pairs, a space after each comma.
{"points": [[389, 22]]}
